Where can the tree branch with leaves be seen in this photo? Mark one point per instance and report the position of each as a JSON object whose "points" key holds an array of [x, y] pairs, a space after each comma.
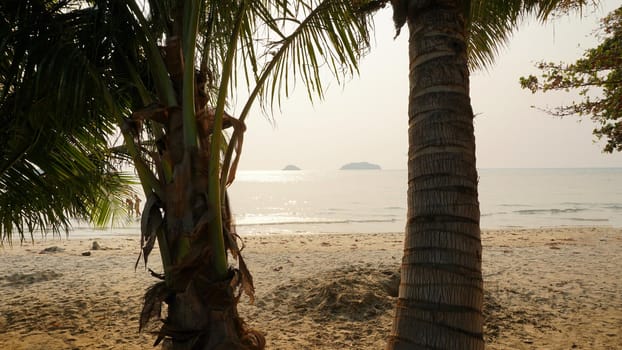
{"points": [[597, 77]]}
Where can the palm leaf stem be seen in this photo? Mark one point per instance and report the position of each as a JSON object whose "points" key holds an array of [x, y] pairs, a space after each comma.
{"points": [[189, 125], [145, 96], [163, 82], [147, 179], [191, 19], [206, 38], [19, 155], [216, 231], [146, 100]]}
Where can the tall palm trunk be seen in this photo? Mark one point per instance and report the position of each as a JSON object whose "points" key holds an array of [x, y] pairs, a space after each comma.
{"points": [[441, 290]]}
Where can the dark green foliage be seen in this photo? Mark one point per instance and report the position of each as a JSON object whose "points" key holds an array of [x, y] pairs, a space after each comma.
{"points": [[52, 168]]}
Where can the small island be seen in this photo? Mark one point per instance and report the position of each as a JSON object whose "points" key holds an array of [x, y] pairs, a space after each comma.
{"points": [[360, 166], [291, 167]]}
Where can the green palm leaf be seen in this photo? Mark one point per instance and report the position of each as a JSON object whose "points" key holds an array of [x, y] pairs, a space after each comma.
{"points": [[55, 169], [328, 35], [492, 23]]}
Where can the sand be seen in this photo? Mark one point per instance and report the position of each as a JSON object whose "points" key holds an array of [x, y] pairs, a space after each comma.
{"points": [[548, 288]]}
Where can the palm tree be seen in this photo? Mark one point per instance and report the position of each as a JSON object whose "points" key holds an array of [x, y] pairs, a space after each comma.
{"points": [[441, 291], [163, 75]]}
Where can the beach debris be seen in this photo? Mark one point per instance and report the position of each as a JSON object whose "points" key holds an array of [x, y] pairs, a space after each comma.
{"points": [[53, 249], [352, 293], [86, 254], [19, 278], [96, 246]]}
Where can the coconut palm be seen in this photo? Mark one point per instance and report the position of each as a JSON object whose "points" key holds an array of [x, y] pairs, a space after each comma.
{"points": [[441, 291], [162, 71]]}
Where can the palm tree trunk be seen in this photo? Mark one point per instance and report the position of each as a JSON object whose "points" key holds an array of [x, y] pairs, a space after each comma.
{"points": [[202, 305], [204, 317], [441, 291]]}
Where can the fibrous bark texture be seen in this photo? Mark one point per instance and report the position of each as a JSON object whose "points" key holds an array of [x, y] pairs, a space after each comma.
{"points": [[441, 291]]}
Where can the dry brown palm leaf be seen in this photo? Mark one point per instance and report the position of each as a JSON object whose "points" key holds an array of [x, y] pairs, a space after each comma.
{"points": [[154, 111], [152, 307], [205, 121], [173, 59], [150, 222], [245, 284], [197, 258], [238, 135]]}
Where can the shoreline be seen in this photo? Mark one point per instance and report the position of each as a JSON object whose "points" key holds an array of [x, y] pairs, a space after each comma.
{"points": [[552, 287], [113, 233]]}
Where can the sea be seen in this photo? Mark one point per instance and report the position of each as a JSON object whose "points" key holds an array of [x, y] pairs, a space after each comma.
{"points": [[366, 201], [374, 201]]}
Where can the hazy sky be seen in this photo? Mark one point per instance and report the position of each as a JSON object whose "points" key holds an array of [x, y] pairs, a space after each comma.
{"points": [[366, 120]]}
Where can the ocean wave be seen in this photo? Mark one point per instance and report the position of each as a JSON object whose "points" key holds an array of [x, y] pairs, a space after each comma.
{"points": [[497, 213], [615, 206], [548, 211], [588, 219]]}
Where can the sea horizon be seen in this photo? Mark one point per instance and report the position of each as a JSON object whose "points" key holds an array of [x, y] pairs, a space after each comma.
{"points": [[404, 169], [268, 202]]}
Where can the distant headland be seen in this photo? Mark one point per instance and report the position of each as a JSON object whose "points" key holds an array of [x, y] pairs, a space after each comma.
{"points": [[360, 166], [291, 167]]}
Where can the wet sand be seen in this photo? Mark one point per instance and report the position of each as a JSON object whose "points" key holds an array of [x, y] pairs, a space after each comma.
{"points": [[549, 288]]}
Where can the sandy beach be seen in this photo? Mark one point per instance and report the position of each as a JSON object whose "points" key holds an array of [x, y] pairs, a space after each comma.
{"points": [[548, 288]]}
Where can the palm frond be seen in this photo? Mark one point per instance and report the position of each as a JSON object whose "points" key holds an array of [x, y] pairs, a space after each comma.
{"points": [[490, 26], [49, 188], [328, 34], [491, 23], [55, 164]]}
